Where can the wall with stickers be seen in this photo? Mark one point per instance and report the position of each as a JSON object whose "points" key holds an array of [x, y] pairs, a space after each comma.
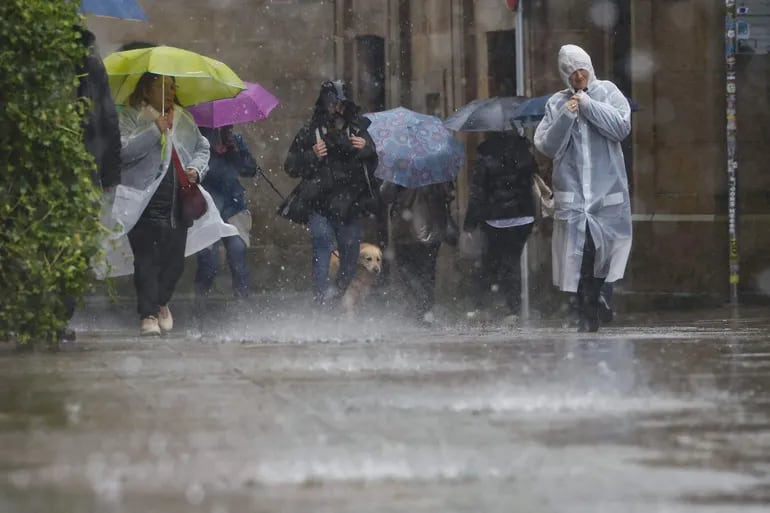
{"points": [[748, 144]]}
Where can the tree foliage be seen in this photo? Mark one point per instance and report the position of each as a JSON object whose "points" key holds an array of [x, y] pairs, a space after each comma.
{"points": [[49, 205]]}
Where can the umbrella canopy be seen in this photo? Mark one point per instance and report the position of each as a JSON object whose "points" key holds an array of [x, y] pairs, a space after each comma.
{"points": [[531, 111], [121, 9], [485, 115], [414, 149], [252, 104], [198, 78]]}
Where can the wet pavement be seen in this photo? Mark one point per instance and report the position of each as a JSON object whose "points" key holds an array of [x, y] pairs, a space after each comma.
{"points": [[297, 414]]}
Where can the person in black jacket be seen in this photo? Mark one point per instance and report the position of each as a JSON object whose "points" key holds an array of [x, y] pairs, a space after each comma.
{"points": [[501, 202], [100, 122], [101, 134], [336, 158]]}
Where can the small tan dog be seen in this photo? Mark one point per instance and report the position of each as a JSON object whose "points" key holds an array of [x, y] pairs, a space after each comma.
{"points": [[369, 267]]}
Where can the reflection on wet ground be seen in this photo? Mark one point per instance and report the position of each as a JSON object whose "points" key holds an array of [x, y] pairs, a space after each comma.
{"points": [[300, 414]]}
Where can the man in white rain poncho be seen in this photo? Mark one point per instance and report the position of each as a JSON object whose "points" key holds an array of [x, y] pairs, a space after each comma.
{"points": [[581, 131], [146, 212]]}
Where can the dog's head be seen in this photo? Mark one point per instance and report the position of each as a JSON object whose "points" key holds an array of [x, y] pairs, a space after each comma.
{"points": [[370, 258]]}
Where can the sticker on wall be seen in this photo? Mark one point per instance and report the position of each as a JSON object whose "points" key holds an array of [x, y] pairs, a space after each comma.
{"points": [[744, 30]]}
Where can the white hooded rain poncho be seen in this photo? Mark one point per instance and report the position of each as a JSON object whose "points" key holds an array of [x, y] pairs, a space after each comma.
{"points": [[145, 161], [589, 174]]}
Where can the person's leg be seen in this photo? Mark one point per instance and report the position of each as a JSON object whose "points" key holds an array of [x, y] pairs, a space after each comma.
{"points": [[417, 272], [237, 259], [322, 237], [589, 287], [144, 240], [208, 266], [514, 240], [427, 272], [349, 245], [407, 273], [68, 334], [605, 303], [492, 259], [172, 263]]}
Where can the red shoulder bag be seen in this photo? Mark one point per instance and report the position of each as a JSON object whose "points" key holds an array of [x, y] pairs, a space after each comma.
{"points": [[192, 200]]}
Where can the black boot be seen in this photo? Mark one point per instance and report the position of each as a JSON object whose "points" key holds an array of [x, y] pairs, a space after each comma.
{"points": [[605, 304], [575, 308], [589, 308]]}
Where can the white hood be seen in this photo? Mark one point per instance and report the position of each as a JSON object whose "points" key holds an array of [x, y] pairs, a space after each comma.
{"points": [[573, 58]]}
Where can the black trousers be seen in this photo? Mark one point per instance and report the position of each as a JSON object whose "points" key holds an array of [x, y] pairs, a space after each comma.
{"points": [[501, 263], [417, 271], [589, 286], [158, 262]]}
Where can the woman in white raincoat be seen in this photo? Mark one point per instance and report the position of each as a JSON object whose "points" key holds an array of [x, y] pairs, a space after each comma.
{"points": [[147, 204], [581, 131]]}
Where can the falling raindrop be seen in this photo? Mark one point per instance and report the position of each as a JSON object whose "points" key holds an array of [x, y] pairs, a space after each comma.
{"points": [[641, 65], [604, 14], [195, 494], [73, 412], [158, 443]]}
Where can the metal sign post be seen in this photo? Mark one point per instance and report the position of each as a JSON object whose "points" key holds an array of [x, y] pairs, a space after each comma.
{"points": [[521, 91], [732, 162]]}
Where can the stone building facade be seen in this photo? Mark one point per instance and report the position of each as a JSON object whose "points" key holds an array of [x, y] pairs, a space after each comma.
{"points": [[434, 56]]}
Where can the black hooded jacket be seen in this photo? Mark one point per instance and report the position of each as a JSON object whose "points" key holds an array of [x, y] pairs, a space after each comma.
{"points": [[501, 185], [100, 123], [340, 186]]}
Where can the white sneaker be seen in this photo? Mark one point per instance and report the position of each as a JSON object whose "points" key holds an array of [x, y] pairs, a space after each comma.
{"points": [[165, 320], [149, 326]]}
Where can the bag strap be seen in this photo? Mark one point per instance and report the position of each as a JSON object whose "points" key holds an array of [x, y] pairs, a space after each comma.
{"points": [[178, 168], [542, 186], [368, 181]]}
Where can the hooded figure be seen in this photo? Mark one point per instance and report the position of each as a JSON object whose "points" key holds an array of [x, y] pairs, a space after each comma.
{"points": [[336, 158], [582, 131], [340, 185]]}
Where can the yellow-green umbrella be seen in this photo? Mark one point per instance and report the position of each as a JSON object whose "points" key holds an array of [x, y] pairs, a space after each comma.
{"points": [[198, 78]]}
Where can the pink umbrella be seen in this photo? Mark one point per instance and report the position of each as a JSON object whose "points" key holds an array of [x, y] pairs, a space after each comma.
{"points": [[252, 104]]}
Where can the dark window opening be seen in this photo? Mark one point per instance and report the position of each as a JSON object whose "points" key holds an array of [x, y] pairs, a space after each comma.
{"points": [[370, 73], [501, 62]]}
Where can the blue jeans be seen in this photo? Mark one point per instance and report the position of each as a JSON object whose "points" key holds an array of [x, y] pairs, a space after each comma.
{"points": [[208, 266], [324, 232]]}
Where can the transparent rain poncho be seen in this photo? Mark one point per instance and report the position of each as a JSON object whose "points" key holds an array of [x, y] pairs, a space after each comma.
{"points": [[589, 174], [145, 163]]}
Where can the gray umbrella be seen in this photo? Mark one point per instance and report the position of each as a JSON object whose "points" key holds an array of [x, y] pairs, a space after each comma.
{"points": [[485, 115]]}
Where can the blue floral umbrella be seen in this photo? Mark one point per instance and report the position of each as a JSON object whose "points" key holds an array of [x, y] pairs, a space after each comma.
{"points": [[414, 149], [121, 9]]}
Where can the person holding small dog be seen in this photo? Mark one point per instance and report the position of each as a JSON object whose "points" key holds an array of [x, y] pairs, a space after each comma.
{"points": [[501, 202], [230, 160], [336, 157], [421, 221], [581, 131]]}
